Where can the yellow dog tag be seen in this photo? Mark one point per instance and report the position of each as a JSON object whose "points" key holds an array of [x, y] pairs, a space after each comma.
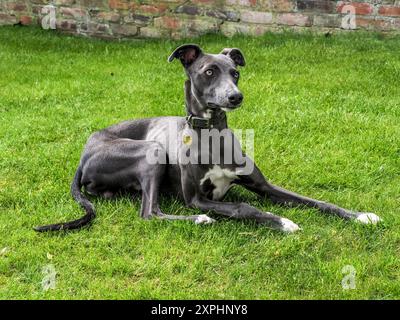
{"points": [[187, 140]]}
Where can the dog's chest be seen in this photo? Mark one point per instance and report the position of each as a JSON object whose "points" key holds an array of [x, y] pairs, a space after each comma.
{"points": [[217, 181]]}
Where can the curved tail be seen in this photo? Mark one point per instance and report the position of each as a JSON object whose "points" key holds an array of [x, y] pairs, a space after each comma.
{"points": [[82, 200]]}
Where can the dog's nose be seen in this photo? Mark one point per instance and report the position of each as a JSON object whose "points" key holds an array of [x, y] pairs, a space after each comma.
{"points": [[236, 98]]}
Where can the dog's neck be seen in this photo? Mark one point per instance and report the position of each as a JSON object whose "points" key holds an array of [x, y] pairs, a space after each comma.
{"points": [[217, 117]]}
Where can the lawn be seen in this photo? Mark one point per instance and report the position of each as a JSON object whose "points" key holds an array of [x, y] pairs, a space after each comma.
{"points": [[326, 114]]}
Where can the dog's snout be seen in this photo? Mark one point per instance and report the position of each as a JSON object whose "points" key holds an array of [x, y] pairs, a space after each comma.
{"points": [[236, 98]]}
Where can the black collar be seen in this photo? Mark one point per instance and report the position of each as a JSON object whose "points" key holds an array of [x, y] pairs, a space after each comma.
{"points": [[205, 123], [199, 123]]}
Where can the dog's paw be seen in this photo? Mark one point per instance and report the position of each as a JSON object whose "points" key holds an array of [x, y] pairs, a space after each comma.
{"points": [[368, 218], [289, 226], [203, 219]]}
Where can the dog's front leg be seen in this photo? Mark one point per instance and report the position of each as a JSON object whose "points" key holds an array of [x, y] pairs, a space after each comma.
{"points": [[193, 198], [256, 182], [244, 211]]}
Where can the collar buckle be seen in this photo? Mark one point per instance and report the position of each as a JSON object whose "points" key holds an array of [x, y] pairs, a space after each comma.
{"points": [[198, 123]]}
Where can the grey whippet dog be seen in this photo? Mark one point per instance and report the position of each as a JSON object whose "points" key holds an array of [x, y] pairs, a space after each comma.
{"points": [[116, 158]]}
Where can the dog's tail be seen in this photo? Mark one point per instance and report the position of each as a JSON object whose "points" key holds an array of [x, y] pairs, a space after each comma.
{"points": [[82, 200]]}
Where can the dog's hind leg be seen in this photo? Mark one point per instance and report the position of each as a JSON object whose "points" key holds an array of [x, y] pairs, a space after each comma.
{"points": [[197, 218], [150, 207], [150, 185], [243, 211]]}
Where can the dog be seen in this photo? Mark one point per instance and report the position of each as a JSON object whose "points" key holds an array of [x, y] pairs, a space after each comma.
{"points": [[122, 157]]}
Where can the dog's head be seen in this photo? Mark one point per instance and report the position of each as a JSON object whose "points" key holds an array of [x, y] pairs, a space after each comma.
{"points": [[214, 77]]}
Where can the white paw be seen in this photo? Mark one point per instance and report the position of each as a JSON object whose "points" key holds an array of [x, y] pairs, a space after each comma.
{"points": [[203, 219], [368, 218], [289, 226]]}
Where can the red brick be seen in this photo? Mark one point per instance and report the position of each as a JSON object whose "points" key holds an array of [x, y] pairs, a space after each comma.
{"points": [[203, 1], [73, 12], [25, 20], [15, 6], [278, 5], [6, 19], [119, 4], [256, 17], [361, 8], [374, 24], [246, 3], [294, 19], [108, 16], [167, 22], [156, 9], [392, 11]]}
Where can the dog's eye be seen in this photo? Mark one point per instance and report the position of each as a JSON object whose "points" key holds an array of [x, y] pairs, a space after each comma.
{"points": [[209, 72]]}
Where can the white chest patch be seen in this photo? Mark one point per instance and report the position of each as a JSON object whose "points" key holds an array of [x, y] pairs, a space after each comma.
{"points": [[221, 179]]}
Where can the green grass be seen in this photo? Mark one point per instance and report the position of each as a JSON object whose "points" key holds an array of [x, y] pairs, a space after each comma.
{"points": [[326, 114]]}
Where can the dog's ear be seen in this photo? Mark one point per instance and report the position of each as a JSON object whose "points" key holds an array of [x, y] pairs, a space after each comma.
{"points": [[187, 53], [236, 55]]}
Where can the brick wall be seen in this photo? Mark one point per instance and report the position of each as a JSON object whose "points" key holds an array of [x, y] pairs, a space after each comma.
{"points": [[177, 19]]}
